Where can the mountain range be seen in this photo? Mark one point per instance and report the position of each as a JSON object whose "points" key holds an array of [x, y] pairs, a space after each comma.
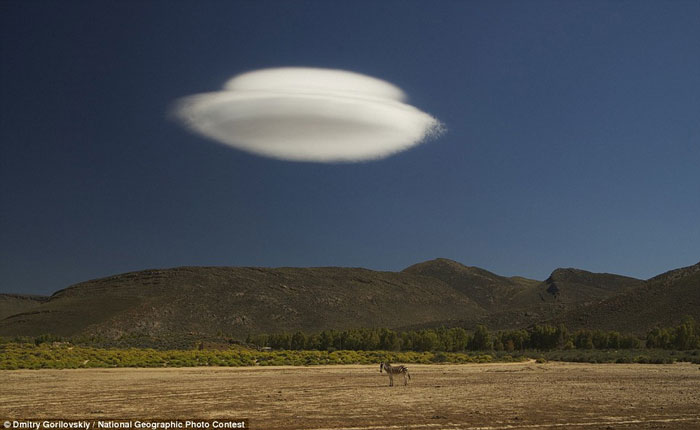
{"points": [[237, 301]]}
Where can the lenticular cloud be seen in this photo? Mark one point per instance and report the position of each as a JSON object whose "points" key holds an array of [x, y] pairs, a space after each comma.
{"points": [[306, 114]]}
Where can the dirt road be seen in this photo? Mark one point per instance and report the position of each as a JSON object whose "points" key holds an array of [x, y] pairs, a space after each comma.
{"points": [[476, 396]]}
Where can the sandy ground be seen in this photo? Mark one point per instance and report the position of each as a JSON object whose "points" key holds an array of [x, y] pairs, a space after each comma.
{"points": [[477, 396]]}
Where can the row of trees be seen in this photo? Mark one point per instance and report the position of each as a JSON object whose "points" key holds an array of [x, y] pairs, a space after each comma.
{"points": [[682, 337], [541, 337]]}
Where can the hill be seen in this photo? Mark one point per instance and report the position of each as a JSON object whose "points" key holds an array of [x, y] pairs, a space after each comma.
{"points": [[563, 291], [488, 290], [202, 302], [11, 304], [239, 301], [518, 302], [662, 300]]}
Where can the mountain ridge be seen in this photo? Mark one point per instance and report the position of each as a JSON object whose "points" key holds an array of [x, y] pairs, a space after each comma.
{"points": [[242, 300]]}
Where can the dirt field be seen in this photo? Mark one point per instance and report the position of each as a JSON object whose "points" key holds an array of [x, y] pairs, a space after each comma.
{"points": [[484, 396]]}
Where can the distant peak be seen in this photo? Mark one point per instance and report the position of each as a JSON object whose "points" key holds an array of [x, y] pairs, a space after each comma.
{"points": [[446, 269], [441, 260], [442, 263], [566, 272]]}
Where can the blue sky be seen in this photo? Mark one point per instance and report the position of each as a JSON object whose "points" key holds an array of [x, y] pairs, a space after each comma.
{"points": [[573, 138]]}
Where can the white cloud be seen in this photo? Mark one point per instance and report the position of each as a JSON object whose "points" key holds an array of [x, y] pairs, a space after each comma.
{"points": [[307, 114]]}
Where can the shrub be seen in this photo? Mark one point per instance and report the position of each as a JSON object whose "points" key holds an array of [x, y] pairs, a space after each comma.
{"points": [[439, 357]]}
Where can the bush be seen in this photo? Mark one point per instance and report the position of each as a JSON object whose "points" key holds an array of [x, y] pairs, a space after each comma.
{"points": [[439, 357]]}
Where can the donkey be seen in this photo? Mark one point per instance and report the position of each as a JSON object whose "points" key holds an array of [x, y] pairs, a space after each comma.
{"points": [[395, 370]]}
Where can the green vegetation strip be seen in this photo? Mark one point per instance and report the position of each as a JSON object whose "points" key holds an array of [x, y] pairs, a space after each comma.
{"points": [[646, 356], [367, 346], [47, 356], [68, 356]]}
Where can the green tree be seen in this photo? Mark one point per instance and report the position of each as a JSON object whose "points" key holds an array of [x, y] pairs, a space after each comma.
{"points": [[544, 337], [481, 341], [659, 338], [298, 341], [583, 339], [614, 340], [684, 335], [459, 339], [389, 340], [600, 339], [428, 340], [629, 342], [370, 340]]}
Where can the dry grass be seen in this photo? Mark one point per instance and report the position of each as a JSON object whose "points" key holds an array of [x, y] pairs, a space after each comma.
{"points": [[484, 396]]}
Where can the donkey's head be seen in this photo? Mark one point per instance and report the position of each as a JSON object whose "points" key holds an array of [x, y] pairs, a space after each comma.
{"points": [[381, 367]]}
